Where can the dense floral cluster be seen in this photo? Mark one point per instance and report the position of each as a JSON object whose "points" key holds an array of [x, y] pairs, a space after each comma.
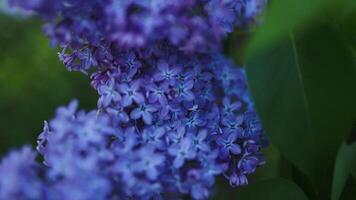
{"points": [[18, 171], [172, 113], [94, 30], [164, 133]]}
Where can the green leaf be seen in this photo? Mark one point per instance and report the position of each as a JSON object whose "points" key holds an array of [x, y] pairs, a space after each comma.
{"points": [[303, 88], [345, 162], [271, 189], [283, 16]]}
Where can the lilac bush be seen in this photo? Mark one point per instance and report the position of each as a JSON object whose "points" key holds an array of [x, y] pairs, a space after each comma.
{"points": [[172, 114]]}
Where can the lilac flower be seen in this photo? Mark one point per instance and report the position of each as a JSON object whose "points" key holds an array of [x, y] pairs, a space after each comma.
{"points": [[232, 125], [248, 163], [229, 107], [157, 93], [166, 73], [143, 111], [119, 114], [199, 140], [19, 176], [227, 145], [194, 121], [176, 136], [154, 136], [238, 180], [131, 93], [184, 92], [131, 65], [108, 94], [158, 61], [198, 185], [182, 151], [149, 162]]}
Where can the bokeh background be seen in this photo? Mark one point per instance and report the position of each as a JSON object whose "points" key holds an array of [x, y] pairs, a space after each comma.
{"points": [[33, 82], [319, 164]]}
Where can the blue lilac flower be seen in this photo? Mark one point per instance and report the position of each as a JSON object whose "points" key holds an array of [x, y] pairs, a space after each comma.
{"points": [[227, 145], [19, 176], [173, 113], [154, 136], [238, 180], [157, 93], [199, 140], [131, 93], [93, 31], [108, 94], [181, 152], [143, 111]]}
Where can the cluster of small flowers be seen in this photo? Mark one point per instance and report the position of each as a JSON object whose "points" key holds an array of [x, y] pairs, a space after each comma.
{"points": [[164, 133], [93, 30], [170, 116]]}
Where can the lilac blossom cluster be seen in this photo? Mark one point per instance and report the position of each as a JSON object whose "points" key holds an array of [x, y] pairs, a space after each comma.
{"points": [[172, 113], [98, 28], [165, 132]]}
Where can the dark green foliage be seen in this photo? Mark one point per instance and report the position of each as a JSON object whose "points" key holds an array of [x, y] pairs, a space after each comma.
{"points": [[301, 71]]}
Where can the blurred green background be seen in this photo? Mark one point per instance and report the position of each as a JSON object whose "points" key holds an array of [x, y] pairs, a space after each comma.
{"points": [[301, 67], [33, 82]]}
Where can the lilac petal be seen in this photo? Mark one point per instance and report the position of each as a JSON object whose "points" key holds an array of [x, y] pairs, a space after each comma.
{"points": [[124, 117], [220, 141], [178, 162], [191, 153], [185, 144], [232, 137], [123, 88], [224, 153], [136, 85], [239, 119], [202, 134], [152, 174], [159, 132], [147, 118], [199, 192], [235, 149], [188, 95], [150, 108], [102, 89], [173, 151], [236, 105], [139, 98], [226, 101], [104, 101], [126, 101], [116, 96], [158, 77], [163, 66], [136, 113], [189, 85], [152, 98], [204, 147], [163, 100]]}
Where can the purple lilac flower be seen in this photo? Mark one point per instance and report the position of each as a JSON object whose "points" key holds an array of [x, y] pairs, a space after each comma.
{"points": [[143, 111], [173, 113], [92, 32], [131, 93], [181, 152], [227, 145], [19, 176], [218, 124], [135, 152]]}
